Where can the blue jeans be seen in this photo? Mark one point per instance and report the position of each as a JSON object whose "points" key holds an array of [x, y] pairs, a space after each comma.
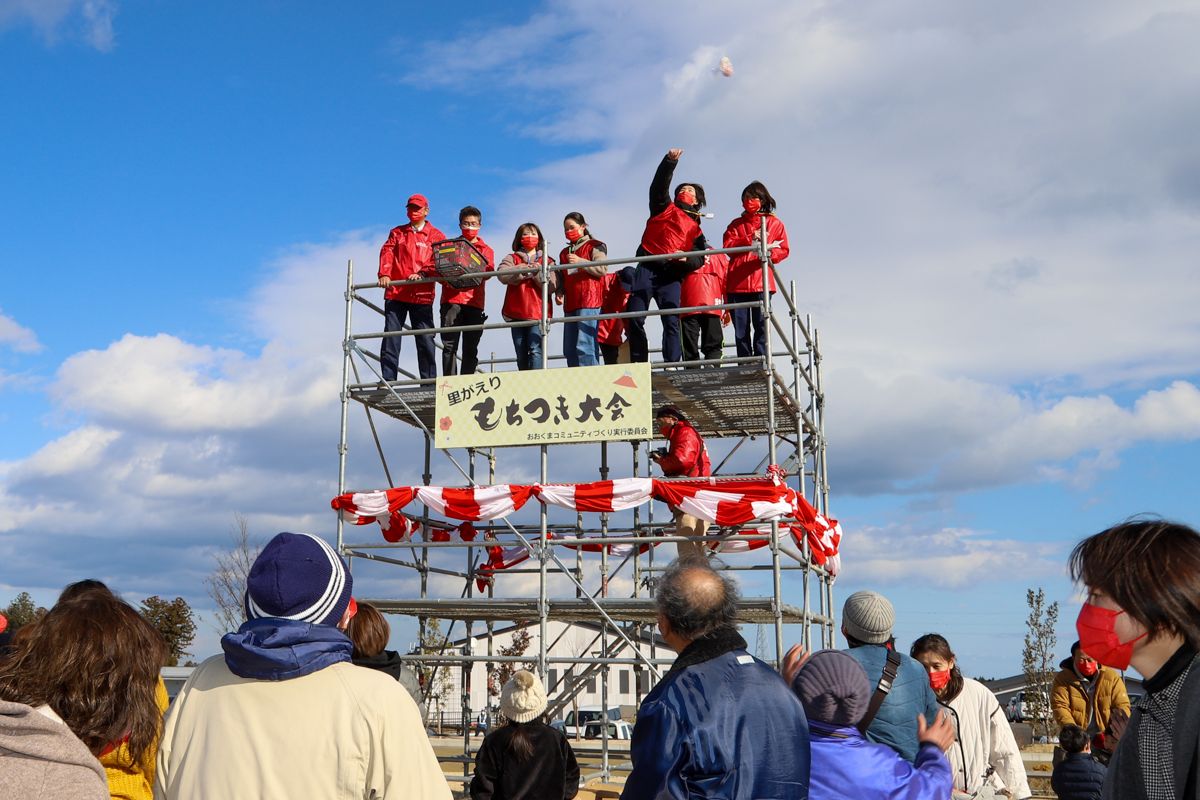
{"points": [[528, 344], [420, 315], [746, 318], [579, 339]]}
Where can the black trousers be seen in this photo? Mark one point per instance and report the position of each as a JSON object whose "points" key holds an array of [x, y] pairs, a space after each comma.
{"points": [[459, 314], [419, 315], [704, 329], [610, 352]]}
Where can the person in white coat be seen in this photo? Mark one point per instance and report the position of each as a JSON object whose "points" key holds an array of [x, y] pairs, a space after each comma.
{"points": [[984, 757], [284, 712]]}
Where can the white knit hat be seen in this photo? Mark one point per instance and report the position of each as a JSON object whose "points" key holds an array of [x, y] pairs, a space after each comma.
{"points": [[523, 698]]}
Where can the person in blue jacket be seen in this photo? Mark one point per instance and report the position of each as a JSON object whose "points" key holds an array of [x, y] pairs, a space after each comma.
{"points": [[835, 693], [867, 622], [720, 724]]}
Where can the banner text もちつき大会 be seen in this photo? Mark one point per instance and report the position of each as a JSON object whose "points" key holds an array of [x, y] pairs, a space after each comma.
{"points": [[544, 406]]}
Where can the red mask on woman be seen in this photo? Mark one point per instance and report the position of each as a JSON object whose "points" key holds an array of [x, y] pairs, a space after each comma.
{"points": [[752, 204], [529, 242], [574, 234], [1098, 638], [687, 196], [938, 679]]}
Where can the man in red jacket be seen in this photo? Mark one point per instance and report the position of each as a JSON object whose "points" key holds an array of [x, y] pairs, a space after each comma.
{"points": [[685, 456], [407, 256], [464, 306]]}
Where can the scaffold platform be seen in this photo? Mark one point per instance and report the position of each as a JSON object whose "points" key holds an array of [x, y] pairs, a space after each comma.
{"points": [[751, 610], [721, 402]]}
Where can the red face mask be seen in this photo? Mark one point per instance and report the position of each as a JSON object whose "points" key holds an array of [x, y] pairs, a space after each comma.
{"points": [[469, 233], [1099, 640], [1086, 668], [574, 234], [529, 242], [417, 214], [687, 196], [938, 679], [752, 204], [665, 429]]}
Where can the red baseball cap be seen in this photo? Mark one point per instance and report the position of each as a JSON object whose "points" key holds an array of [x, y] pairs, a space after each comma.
{"points": [[418, 200]]}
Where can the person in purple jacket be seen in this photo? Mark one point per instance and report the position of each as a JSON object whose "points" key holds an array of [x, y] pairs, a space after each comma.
{"points": [[835, 693]]}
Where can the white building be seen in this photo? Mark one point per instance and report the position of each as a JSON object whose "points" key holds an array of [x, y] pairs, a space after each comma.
{"points": [[565, 640]]}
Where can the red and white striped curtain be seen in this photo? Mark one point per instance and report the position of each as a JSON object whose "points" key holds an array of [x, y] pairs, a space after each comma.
{"points": [[727, 503]]}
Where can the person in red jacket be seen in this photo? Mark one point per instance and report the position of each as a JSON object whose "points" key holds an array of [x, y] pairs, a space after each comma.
{"points": [[673, 227], [685, 456], [704, 287], [407, 256], [523, 298], [611, 332], [582, 291], [465, 306], [745, 269]]}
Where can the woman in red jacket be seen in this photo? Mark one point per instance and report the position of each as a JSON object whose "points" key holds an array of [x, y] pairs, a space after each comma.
{"points": [[523, 298], [582, 291], [745, 269], [685, 456], [611, 332], [701, 330]]}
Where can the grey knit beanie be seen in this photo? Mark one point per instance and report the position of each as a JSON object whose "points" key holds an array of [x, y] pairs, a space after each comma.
{"points": [[833, 688], [868, 617], [523, 697]]}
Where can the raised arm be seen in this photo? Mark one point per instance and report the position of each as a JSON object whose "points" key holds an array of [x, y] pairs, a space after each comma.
{"points": [[660, 187]]}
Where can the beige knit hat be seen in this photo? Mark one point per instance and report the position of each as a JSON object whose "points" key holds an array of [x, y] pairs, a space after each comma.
{"points": [[868, 617], [523, 698]]}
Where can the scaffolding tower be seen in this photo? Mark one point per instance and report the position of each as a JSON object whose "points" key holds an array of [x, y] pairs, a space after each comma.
{"points": [[775, 399]]}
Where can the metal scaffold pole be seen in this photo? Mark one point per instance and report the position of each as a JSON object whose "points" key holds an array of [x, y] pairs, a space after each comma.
{"points": [[347, 356], [772, 459]]}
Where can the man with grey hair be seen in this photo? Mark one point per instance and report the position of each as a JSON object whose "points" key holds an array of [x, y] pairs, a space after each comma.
{"points": [[720, 723]]}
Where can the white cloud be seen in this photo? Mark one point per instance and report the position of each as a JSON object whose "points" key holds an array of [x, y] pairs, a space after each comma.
{"points": [[17, 336], [943, 558], [90, 20], [979, 198], [993, 216]]}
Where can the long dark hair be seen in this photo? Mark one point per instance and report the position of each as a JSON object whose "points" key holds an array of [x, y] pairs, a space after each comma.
{"points": [[1151, 569], [759, 190], [936, 643], [520, 744], [95, 661]]}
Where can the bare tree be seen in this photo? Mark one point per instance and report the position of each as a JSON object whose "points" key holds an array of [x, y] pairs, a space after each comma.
{"points": [[227, 582], [520, 643], [435, 679], [1038, 659]]}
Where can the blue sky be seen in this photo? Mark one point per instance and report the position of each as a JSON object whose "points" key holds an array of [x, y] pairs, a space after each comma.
{"points": [[993, 213]]}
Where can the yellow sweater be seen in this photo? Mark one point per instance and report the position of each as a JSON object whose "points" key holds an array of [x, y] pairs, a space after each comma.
{"points": [[127, 780]]}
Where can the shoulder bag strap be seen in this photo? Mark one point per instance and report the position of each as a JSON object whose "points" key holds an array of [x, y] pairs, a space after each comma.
{"points": [[881, 690]]}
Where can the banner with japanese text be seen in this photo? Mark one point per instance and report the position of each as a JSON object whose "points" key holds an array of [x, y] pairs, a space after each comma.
{"points": [[544, 406]]}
